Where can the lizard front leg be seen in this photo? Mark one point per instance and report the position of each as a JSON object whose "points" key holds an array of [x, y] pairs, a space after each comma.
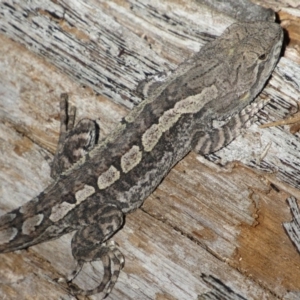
{"points": [[211, 141], [74, 141]]}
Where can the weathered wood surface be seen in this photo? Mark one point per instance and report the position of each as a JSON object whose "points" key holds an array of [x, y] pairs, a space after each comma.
{"points": [[221, 221]]}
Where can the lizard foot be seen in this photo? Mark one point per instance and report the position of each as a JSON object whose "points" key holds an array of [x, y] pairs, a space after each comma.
{"points": [[113, 262]]}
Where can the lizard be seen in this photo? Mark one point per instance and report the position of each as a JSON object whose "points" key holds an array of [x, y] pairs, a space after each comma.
{"points": [[97, 183]]}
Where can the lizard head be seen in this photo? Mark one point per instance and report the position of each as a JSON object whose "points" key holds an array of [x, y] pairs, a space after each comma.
{"points": [[249, 53]]}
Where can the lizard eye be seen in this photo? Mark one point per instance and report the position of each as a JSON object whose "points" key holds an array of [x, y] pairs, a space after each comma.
{"points": [[262, 56]]}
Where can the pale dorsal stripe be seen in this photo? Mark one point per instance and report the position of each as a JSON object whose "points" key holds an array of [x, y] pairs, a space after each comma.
{"points": [[189, 105]]}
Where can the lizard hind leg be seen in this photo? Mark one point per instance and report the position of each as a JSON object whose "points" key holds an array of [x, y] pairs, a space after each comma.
{"points": [[90, 244]]}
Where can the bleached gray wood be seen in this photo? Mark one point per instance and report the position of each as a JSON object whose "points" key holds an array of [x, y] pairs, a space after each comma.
{"points": [[293, 228], [241, 10], [109, 45], [223, 222]]}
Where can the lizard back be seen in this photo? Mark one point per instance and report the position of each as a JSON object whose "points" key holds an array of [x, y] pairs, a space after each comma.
{"points": [[215, 84]]}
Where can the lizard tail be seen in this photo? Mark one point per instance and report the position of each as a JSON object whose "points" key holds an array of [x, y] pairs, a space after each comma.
{"points": [[22, 227]]}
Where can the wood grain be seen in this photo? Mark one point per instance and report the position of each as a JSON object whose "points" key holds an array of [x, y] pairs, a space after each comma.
{"points": [[221, 217]]}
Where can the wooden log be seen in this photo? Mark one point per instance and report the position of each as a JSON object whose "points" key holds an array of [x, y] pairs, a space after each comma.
{"points": [[211, 216]]}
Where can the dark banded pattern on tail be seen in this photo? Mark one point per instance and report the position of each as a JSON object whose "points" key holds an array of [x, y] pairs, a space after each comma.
{"points": [[113, 262]]}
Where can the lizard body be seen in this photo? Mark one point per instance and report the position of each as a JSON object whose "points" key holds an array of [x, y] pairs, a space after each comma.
{"points": [[97, 186]]}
